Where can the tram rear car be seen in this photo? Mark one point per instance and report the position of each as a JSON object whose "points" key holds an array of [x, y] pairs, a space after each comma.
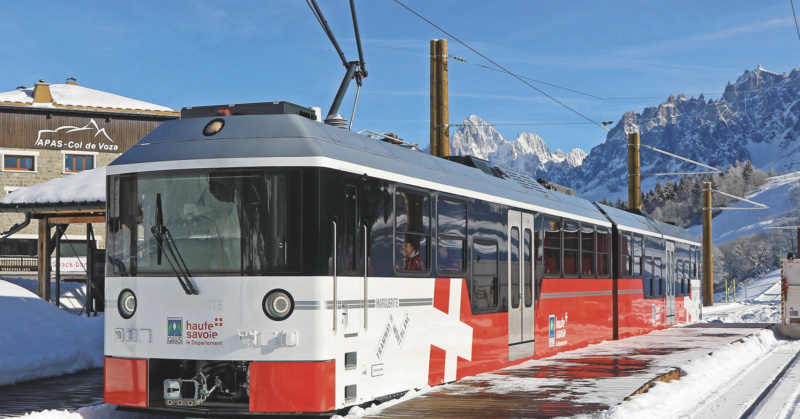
{"points": [[264, 262]]}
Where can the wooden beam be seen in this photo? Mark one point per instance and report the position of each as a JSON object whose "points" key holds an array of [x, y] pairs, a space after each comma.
{"points": [[78, 219], [44, 260]]}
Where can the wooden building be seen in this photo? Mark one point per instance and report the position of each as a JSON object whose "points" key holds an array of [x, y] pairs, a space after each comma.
{"points": [[54, 130]]}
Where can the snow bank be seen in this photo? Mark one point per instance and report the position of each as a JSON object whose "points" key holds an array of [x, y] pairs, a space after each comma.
{"points": [[39, 340], [86, 186], [102, 411]]}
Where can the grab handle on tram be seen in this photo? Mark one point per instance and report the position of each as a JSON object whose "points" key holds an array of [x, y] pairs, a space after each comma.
{"points": [[335, 288], [366, 264]]}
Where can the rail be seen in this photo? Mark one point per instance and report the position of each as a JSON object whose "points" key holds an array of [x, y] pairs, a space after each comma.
{"points": [[767, 393]]}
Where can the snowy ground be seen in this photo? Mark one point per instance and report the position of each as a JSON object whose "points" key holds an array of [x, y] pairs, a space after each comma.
{"points": [[703, 390]]}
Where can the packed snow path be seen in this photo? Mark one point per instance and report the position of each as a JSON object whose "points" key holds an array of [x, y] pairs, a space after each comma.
{"points": [[594, 379]]}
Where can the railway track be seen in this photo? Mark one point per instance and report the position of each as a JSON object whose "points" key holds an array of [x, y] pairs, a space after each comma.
{"points": [[777, 399], [70, 391], [762, 390]]}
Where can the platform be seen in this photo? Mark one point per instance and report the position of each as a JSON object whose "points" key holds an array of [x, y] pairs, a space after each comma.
{"points": [[578, 382]]}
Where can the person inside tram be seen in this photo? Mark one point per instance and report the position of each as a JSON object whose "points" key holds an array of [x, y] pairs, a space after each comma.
{"points": [[412, 261], [447, 261]]}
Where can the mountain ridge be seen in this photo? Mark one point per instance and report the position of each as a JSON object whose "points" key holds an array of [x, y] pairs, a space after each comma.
{"points": [[757, 118]]}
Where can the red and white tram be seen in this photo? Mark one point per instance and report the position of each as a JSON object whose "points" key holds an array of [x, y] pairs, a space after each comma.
{"points": [[265, 262]]}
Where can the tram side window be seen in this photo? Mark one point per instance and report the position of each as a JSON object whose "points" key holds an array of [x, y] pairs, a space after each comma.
{"points": [[452, 235], [603, 252], [552, 246], [412, 222], [350, 228], [587, 250], [637, 255], [484, 275], [682, 275], [659, 280], [647, 277], [515, 290], [626, 247], [528, 267], [571, 248]]}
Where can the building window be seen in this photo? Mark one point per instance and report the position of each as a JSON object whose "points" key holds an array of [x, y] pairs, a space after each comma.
{"points": [[21, 163], [74, 163]]}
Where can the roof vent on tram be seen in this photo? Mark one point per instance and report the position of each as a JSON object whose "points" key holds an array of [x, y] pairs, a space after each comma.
{"points": [[259, 108], [483, 165]]}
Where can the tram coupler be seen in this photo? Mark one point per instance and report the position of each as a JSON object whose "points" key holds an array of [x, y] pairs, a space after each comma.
{"points": [[182, 392]]}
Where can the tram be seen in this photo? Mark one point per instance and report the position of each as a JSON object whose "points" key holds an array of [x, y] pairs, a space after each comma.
{"points": [[260, 261]]}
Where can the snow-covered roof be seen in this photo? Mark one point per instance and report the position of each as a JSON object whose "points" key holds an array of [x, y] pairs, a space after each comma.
{"points": [[72, 95], [86, 189]]}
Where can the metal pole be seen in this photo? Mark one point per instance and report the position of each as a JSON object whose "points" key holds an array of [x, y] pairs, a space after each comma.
{"points": [[434, 98], [726, 291], [57, 297], [443, 93], [708, 260], [634, 173]]}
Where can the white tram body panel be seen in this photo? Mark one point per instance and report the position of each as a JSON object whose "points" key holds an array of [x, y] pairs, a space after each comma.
{"points": [[392, 343]]}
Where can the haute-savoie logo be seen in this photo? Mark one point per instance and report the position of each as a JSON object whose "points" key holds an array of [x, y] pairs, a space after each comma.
{"points": [[552, 326], [175, 330], [194, 333]]}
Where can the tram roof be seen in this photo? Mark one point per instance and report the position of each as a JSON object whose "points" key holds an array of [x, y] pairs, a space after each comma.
{"points": [[251, 140], [636, 223]]}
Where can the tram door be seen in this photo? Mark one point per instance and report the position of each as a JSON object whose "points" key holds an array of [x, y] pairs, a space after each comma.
{"points": [[351, 279], [520, 285], [669, 274]]}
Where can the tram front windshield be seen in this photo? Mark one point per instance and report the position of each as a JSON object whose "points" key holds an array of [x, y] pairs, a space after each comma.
{"points": [[242, 223]]}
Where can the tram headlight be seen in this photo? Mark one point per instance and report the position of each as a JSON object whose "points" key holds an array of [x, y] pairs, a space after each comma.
{"points": [[214, 127], [278, 304], [126, 303]]}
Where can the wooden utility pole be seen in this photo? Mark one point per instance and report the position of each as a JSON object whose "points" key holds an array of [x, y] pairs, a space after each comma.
{"points": [[708, 259], [634, 173], [434, 96], [440, 112]]}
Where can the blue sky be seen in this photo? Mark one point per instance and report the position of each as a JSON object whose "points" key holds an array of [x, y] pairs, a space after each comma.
{"points": [[190, 53]]}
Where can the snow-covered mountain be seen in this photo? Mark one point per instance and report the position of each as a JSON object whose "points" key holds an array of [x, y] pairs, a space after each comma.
{"points": [[527, 154], [757, 118]]}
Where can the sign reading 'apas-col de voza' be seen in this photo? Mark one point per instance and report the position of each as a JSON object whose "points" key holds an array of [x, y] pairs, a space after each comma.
{"points": [[88, 138]]}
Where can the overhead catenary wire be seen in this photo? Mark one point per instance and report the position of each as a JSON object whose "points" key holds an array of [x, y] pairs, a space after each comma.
{"points": [[465, 61], [795, 18], [523, 80], [499, 66]]}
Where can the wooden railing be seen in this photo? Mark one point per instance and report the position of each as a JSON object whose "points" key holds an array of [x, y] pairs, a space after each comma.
{"points": [[18, 263]]}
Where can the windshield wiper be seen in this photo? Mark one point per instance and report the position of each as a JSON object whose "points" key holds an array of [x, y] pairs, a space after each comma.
{"points": [[167, 247]]}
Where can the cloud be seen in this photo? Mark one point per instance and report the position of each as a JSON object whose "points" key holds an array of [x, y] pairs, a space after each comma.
{"points": [[695, 41]]}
